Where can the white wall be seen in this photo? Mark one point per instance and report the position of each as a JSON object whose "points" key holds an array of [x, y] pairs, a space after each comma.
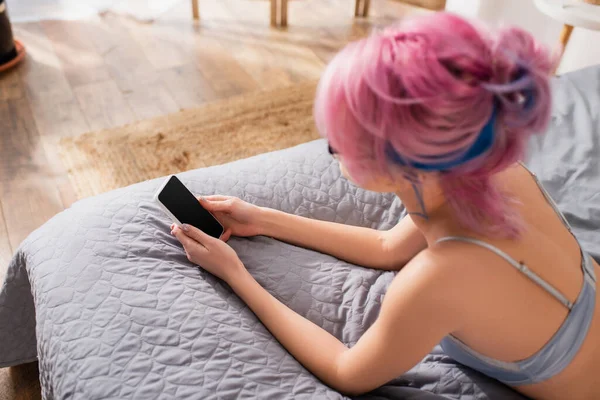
{"points": [[579, 52]]}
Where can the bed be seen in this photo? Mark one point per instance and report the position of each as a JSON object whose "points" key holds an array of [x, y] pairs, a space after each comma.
{"points": [[104, 297]]}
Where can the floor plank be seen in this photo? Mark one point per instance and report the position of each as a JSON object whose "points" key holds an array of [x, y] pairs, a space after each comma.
{"points": [[162, 52], [71, 41], [213, 59], [41, 72], [27, 204], [11, 86], [58, 172], [187, 86], [27, 186], [140, 83], [147, 102], [58, 117], [5, 248], [123, 55], [55, 109], [103, 105], [268, 62], [22, 151]]}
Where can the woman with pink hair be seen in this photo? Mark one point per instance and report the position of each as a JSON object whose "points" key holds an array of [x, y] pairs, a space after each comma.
{"points": [[438, 111]]}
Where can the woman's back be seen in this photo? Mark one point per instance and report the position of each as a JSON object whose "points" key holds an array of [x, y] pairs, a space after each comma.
{"points": [[512, 318]]}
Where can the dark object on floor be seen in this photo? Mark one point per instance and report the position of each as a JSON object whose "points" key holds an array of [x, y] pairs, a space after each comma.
{"points": [[11, 51]]}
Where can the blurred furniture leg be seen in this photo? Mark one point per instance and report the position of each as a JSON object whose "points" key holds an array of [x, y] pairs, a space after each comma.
{"points": [[367, 4], [284, 12], [565, 34], [279, 12], [195, 9], [361, 8], [273, 12]]}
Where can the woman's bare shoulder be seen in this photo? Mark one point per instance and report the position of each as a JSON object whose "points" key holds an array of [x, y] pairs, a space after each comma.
{"points": [[451, 268]]}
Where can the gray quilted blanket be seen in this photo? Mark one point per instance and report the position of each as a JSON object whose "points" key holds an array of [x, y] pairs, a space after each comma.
{"points": [[104, 297]]}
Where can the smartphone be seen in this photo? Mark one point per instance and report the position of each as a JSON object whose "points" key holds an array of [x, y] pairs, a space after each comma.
{"points": [[184, 208]]}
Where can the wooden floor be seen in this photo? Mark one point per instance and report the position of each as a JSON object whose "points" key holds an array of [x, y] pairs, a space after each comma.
{"points": [[20, 383], [108, 71]]}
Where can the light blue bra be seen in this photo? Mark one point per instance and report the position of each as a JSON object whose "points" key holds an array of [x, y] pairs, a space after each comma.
{"points": [[562, 347]]}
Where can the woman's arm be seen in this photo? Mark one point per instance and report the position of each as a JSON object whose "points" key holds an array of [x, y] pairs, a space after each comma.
{"points": [[414, 317], [420, 307], [389, 250]]}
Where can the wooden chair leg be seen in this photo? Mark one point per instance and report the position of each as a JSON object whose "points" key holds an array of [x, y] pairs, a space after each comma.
{"points": [[361, 8], [195, 9], [274, 12], [366, 5], [284, 12], [565, 35]]}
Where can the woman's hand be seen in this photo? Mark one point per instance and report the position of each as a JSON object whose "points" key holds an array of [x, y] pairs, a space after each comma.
{"points": [[210, 253], [238, 217]]}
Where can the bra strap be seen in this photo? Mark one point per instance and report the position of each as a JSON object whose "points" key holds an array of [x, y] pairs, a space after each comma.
{"points": [[519, 266]]}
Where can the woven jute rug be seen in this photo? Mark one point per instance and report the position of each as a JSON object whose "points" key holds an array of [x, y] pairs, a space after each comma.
{"points": [[213, 134]]}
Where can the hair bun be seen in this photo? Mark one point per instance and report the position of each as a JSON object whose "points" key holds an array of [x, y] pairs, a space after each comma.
{"points": [[521, 80]]}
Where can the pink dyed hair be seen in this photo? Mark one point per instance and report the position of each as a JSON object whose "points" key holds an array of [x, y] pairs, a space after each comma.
{"points": [[426, 88]]}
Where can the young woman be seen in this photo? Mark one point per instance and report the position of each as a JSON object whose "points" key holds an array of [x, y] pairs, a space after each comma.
{"points": [[437, 111]]}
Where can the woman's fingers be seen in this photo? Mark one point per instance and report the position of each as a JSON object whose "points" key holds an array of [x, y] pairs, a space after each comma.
{"points": [[214, 197], [226, 235], [197, 235], [187, 241], [222, 206]]}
